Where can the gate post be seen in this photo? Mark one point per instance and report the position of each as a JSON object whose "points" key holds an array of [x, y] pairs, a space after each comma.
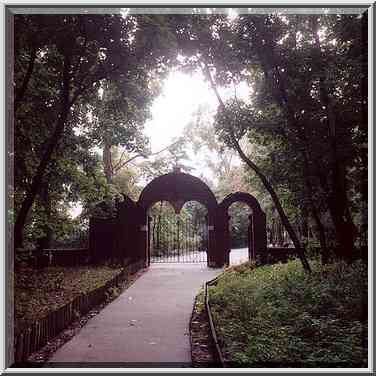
{"points": [[219, 252], [251, 240], [142, 231], [226, 238], [259, 235], [148, 255], [102, 239], [211, 242], [128, 230]]}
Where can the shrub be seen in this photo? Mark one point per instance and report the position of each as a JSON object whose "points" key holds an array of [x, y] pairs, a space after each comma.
{"points": [[280, 316]]}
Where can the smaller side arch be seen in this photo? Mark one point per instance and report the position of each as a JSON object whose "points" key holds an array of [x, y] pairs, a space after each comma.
{"points": [[244, 197], [257, 228]]}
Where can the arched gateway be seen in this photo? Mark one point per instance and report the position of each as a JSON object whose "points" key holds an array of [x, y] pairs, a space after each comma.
{"points": [[126, 236]]}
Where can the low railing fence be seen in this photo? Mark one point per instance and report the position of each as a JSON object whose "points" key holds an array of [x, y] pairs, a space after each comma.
{"points": [[272, 255], [217, 349], [283, 254], [82, 256], [41, 331], [40, 258]]}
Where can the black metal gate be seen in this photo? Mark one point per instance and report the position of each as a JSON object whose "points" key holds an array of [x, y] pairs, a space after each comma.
{"points": [[178, 239]]}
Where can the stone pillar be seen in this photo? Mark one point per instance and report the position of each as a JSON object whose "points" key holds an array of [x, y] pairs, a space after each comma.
{"points": [[212, 241], [142, 243], [127, 230], [149, 237], [220, 256], [226, 237], [251, 239]]}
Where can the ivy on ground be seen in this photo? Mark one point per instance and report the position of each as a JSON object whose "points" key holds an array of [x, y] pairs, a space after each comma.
{"points": [[38, 292], [281, 316]]}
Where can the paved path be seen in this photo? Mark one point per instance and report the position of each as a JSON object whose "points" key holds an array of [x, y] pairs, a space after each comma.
{"points": [[147, 325]]}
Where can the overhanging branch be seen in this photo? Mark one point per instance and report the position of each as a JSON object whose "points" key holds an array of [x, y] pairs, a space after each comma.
{"points": [[256, 169]]}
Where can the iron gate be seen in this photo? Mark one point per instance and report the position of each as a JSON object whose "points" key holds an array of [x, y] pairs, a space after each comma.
{"points": [[178, 239]]}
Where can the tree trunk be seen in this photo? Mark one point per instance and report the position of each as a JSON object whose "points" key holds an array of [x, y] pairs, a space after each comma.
{"points": [[107, 160], [314, 211], [44, 195], [324, 251], [285, 221], [46, 158], [345, 229], [20, 93], [338, 201]]}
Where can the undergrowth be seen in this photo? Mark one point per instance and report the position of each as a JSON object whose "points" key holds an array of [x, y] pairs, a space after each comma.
{"points": [[280, 316], [37, 292]]}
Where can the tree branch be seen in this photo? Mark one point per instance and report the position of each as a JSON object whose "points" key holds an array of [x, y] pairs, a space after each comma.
{"points": [[119, 166], [82, 88], [46, 157], [262, 177], [21, 92], [120, 161]]}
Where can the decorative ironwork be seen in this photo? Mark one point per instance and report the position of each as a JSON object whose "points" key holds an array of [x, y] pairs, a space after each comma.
{"points": [[178, 239]]}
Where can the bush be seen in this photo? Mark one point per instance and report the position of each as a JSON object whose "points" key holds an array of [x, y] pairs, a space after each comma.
{"points": [[280, 316]]}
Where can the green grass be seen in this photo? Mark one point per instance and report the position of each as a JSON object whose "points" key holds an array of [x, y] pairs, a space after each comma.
{"points": [[280, 316]]}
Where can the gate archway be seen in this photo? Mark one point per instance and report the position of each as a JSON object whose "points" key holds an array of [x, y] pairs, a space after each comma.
{"points": [[181, 238], [128, 235], [177, 188]]}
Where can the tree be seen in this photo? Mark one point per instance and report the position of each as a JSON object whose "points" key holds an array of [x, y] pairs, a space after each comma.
{"points": [[66, 57], [305, 76], [298, 69], [225, 167]]}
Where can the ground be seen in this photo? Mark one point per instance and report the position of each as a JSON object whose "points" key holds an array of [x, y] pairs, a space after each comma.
{"points": [[42, 356], [202, 347], [146, 326], [38, 292]]}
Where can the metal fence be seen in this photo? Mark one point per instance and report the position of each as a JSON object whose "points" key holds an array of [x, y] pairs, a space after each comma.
{"points": [[178, 239]]}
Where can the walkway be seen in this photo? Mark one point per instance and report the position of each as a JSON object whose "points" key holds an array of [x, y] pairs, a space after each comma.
{"points": [[147, 325]]}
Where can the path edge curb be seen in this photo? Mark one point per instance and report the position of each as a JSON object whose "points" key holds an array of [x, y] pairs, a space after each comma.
{"points": [[213, 333], [37, 334]]}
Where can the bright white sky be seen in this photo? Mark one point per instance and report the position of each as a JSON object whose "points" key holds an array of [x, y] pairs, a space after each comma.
{"points": [[174, 109], [181, 96]]}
